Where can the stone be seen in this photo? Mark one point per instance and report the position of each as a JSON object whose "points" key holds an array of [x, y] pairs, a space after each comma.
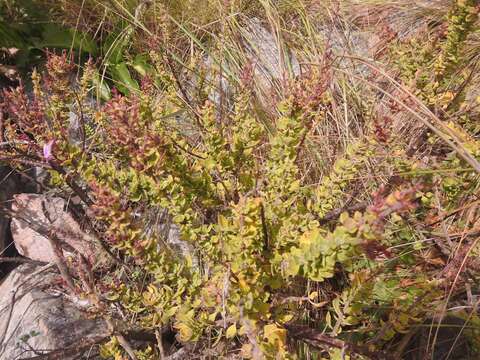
{"points": [[49, 213], [10, 184], [265, 53], [35, 319], [8, 188], [346, 44], [171, 233], [79, 121], [269, 68]]}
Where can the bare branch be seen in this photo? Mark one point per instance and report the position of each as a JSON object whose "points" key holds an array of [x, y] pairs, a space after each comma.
{"points": [[317, 339]]}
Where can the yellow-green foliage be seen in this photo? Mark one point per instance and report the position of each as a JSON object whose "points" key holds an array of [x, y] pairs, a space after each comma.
{"points": [[344, 171], [261, 238], [418, 61], [461, 19], [245, 214], [237, 196]]}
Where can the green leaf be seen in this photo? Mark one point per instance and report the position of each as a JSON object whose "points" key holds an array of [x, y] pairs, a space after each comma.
{"points": [[115, 45], [185, 333], [141, 66], [56, 36], [231, 331], [10, 37], [124, 81], [103, 91]]}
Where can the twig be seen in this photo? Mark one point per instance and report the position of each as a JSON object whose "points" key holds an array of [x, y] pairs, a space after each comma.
{"points": [[317, 339], [49, 233], [179, 355], [4, 259], [73, 185], [73, 350], [87, 280], [160, 344], [124, 344], [59, 260], [82, 345]]}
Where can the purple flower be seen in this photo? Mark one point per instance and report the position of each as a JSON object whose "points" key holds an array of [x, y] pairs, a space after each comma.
{"points": [[47, 150]]}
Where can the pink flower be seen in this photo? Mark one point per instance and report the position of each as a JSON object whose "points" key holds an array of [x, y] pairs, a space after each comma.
{"points": [[47, 150]]}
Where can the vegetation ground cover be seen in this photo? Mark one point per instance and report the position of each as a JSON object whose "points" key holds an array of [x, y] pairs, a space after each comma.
{"points": [[330, 208]]}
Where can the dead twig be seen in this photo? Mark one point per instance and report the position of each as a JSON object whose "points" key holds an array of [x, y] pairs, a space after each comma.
{"points": [[319, 340], [4, 259]]}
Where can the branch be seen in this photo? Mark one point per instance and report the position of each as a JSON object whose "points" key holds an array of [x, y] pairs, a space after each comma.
{"points": [[83, 345], [319, 340], [76, 349], [20, 260]]}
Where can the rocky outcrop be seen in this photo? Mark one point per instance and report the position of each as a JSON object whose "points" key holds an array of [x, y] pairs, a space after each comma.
{"points": [[170, 233], [36, 319], [35, 211], [9, 185], [272, 61]]}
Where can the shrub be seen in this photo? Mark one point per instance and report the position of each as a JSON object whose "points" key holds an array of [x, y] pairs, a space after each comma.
{"points": [[273, 253]]}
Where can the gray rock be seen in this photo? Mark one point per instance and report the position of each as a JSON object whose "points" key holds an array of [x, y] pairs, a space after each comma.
{"points": [[79, 121], [50, 213], [160, 226], [174, 240], [221, 92], [75, 131], [348, 43], [9, 185], [35, 319], [272, 62], [472, 99]]}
